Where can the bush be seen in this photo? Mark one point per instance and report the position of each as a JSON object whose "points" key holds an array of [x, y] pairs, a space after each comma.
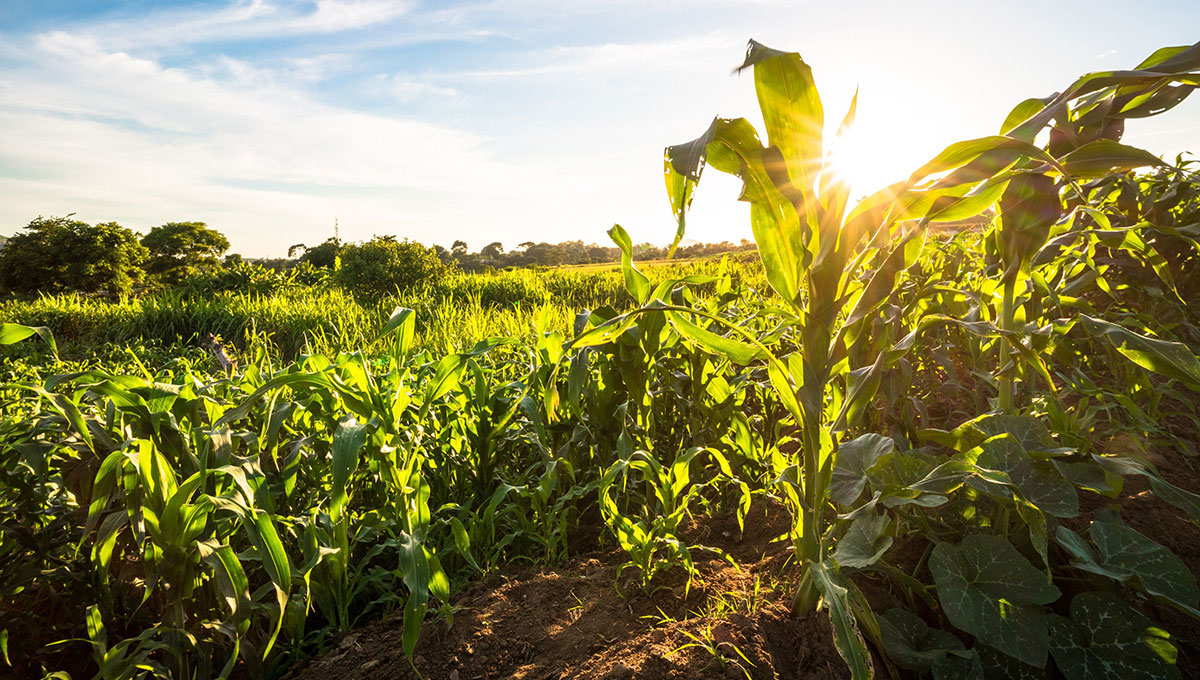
{"points": [[60, 255], [384, 265]]}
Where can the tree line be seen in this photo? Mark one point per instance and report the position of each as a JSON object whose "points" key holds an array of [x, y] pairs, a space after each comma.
{"points": [[62, 254]]}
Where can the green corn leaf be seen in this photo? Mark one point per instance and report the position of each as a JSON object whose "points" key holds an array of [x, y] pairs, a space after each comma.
{"points": [[232, 584], [1029, 207], [446, 375], [960, 154], [1172, 359], [1098, 158], [11, 333], [635, 282], [991, 591], [260, 528], [836, 596], [740, 352], [348, 440], [911, 644], [1105, 639], [4, 647], [403, 322], [791, 108], [865, 542]]}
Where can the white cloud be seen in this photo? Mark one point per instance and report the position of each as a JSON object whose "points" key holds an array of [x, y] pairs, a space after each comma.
{"points": [[243, 19], [86, 126], [406, 88]]}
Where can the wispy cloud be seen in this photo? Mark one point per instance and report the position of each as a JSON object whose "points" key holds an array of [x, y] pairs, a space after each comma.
{"points": [[242, 19], [106, 127]]}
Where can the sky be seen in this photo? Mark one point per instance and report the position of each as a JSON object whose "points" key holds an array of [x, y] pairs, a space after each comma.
{"points": [[499, 120]]}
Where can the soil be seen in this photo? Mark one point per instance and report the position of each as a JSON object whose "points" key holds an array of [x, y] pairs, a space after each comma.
{"points": [[571, 622]]}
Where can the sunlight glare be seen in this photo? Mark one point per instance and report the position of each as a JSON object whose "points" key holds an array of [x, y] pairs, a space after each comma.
{"points": [[851, 160]]}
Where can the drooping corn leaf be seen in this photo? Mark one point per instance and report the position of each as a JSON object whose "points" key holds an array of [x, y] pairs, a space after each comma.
{"points": [[1098, 158], [1172, 359], [1107, 640], [991, 591], [836, 596], [11, 333], [738, 351], [635, 282]]}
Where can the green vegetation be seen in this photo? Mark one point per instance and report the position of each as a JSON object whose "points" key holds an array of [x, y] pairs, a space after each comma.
{"points": [[180, 248], [58, 254], [959, 394]]}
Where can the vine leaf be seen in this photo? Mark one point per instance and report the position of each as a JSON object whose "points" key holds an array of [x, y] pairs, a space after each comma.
{"points": [[1125, 554], [1052, 495], [1106, 640], [864, 543], [911, 644], [854, 458], [991, 591]]}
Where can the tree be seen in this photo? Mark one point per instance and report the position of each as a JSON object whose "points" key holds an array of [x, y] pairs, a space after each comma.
{"points": [[179, 248], [493, 250], [59, 254], [324, 255], [459, 248], [384, 265]]}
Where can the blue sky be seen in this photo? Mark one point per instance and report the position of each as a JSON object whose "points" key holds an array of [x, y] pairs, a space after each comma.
{"points": [[497, 120]]}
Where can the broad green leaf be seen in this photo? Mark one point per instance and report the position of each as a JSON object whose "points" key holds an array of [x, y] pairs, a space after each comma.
{"points": [[984, 663], [911, 644], [1030, 432], [1125, 554], [991, 591], [895, 474], [865, 542], [854, 458], [1049, 492], [1107, 640]]}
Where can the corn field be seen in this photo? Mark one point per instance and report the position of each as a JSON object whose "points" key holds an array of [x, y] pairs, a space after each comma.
{"points": [[961, 393]]}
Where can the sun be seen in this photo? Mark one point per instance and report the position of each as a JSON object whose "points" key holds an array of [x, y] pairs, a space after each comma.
{"points": [[852, 161]]}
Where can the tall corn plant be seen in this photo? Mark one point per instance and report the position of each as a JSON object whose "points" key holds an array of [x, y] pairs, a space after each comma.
{"points": [[809, 243], [834, 266]]}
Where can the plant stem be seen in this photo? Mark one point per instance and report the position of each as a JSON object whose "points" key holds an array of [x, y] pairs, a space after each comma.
{"points": [[1006, 324]]}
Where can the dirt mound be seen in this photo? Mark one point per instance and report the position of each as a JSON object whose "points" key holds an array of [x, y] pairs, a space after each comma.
{"points": [[571, 622]]}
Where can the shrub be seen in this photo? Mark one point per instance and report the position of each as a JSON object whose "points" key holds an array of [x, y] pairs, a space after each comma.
{"points": [[384, 265], [58, 255]]}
